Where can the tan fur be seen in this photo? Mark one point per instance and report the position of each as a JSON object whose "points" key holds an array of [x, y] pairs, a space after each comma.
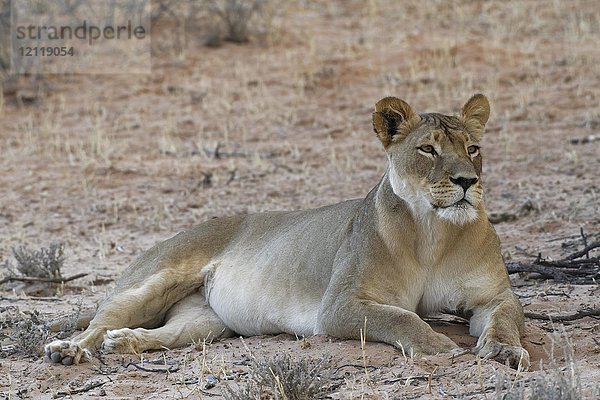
{"points": [[419, 243]]}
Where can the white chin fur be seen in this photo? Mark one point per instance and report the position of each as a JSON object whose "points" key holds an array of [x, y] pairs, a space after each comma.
{"points": [[421, 206], [458, 215]]}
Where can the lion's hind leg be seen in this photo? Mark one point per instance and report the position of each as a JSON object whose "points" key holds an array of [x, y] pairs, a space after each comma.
{"points": [[191, 320], [144, 304]]}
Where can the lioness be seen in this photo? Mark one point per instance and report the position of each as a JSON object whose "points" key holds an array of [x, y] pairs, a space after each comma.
{"points": [[420, 242]]}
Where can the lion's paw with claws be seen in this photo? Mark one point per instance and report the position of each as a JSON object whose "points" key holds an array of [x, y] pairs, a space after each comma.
{"points": [[66, 352]]}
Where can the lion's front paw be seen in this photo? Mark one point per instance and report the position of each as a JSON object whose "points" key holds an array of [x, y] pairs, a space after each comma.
{"points": [[66, 352], [515, 356], [433, 344], [121, 341]]}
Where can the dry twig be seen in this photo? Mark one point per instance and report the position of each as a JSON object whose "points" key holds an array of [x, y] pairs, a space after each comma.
{"points": [[584, 252], [85, 388], [45, 280], [586, 312], [169, 369]]}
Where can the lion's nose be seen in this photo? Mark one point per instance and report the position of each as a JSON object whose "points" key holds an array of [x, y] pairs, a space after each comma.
{"points": [[463, 182]]}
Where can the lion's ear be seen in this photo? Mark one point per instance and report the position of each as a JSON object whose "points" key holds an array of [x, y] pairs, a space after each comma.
{"points": [[389, 117], [476, 112]]}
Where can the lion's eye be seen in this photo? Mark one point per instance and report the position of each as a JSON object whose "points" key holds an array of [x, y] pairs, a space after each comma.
{"points": [[429, 149], [472, 150]]}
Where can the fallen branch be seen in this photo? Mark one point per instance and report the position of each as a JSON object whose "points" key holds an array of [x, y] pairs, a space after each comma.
{"points": [[547, 272], [30, 298], [561, 271], [584, 252], [170, 369], [573, 268], [45, 280], [588, 312], [85, 388]]}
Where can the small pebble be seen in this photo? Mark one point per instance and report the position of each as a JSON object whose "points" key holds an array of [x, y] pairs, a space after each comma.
{"points": [[211, 382], [67, 361], [55, 357]]}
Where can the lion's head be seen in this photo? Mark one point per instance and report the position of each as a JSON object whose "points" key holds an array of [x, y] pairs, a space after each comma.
{"points": [[434, 159]]}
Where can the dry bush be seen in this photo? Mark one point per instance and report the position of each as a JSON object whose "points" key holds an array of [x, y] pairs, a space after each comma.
{"points": [[43, 263], [555, 382], [210, 22], [550, 385], [235, 15], [237, 20], [27, 332], [284, 377]]}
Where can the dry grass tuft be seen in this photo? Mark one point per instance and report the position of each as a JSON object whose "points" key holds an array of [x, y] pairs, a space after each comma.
{"points": [[556, 382], [284, 377], [551, 385]]}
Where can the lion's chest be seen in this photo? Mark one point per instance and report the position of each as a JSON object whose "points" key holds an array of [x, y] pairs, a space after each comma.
{"points": [[414, 285], [441, 292], [441, 271]]}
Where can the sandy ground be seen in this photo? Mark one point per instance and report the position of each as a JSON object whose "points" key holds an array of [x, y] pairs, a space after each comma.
{"points": [[111, 164]]}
